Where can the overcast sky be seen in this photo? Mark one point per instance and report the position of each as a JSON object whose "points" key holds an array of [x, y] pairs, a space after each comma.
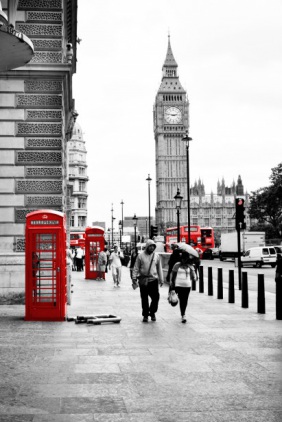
{"points": [[229, 56]]}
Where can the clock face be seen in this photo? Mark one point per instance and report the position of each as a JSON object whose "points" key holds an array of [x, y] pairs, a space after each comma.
{"points": [[172, 115]]}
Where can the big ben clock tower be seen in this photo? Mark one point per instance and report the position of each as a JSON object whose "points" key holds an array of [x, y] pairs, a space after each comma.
{"points": [[171, 120]]}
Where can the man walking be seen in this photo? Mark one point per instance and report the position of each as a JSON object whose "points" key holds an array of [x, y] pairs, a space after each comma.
{"points": [[115, 265], [148, 270]]}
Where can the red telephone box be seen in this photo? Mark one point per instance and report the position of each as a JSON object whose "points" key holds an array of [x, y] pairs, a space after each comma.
{"points": [[94, 243], [45, 266]]}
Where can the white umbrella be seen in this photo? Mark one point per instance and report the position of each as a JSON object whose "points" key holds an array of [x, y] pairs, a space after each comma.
{"points": [[187, 248]]}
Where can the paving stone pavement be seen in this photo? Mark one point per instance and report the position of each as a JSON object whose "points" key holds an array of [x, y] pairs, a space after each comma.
{"points": [[225, 364]]}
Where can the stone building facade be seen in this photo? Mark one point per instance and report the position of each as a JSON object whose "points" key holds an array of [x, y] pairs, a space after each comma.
{"points": [[36, 119], [78, 179]]}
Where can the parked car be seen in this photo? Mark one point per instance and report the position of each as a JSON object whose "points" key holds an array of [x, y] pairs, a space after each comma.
{"points": [[207, 254], [265, 255], [215, 252]]}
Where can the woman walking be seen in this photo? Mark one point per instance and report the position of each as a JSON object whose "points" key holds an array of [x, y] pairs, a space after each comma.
{"points": [[183, 274]]}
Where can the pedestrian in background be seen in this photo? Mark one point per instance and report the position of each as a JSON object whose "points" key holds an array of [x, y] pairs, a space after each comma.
{"points": [[79, 259], [115, 266], [182, 274], [148, 271], [174, 257], [133, 258], [102, 262]]}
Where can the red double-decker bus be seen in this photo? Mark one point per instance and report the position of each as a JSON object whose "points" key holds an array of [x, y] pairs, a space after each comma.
{"points": [[77, 239], [202, 238]]}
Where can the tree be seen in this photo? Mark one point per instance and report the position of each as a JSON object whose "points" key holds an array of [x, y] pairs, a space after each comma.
{"points": [[266, 203]]}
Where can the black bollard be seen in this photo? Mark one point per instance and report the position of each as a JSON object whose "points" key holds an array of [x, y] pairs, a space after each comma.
{"points": [[278, 300], [210, 284], [245, 293], [261, 295], [231, 290], [194, 284], [219, 284], [201, 279]]}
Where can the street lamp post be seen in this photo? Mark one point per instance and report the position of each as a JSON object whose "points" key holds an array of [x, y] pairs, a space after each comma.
{"points": [[122, 204], [113, 218], [186, 138], [120, 232], [135, 219], [149, 200], [178, 199], [147, 233], [109, 237]]}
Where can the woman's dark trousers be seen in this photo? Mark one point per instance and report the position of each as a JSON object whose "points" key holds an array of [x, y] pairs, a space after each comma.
{"points": [[183, 295]]}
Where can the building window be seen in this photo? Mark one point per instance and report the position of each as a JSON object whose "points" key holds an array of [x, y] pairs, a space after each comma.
{"points": [[81, 171], [230, 222], [218, 222], [194, 211], [218, 211], [71, 158], [206, 222], [195, 221], [82, 186], [81, 203], [81, 221], [72, 221], [206, 212]]}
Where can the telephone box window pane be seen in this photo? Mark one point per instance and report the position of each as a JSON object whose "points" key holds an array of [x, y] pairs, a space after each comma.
{"points": [[45, 268], [93, 254]]}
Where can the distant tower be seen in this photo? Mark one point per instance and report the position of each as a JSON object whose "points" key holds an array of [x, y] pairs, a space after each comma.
{"points": [[78, 179], [171, 120], [239, 186]]}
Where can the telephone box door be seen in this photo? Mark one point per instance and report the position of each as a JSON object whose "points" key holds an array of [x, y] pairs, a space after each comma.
{"points": [[43, 292], [94, 244]]}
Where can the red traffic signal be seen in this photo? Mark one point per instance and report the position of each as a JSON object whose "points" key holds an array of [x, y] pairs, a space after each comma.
{"points": [[240, 213]]}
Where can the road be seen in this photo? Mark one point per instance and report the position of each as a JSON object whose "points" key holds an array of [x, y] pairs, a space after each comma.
{"points": [[269, 273]]}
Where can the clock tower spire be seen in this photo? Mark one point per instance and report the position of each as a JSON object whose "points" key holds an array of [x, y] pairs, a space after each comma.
{"points": [[171, 120]]}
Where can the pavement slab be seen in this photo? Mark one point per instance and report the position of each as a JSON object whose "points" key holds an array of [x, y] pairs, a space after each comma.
{"points": [[224, 364]]}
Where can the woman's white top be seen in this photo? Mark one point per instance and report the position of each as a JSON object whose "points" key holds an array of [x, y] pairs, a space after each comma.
{"points": [[184, 275]]}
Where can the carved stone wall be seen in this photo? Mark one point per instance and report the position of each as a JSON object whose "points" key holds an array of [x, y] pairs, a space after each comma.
{"points": [[38, 100], [39, 129], [43, 172], [39, 85], [44, 114], [43, 157], [39, 186], [38, 143], [44, 201], [39, 4]]}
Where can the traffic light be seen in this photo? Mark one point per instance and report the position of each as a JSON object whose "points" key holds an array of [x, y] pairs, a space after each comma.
{"points": [[154, 231], [240, 214]]}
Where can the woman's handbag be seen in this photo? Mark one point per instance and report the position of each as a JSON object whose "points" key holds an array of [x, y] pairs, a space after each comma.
{"points": [[172, 298]]}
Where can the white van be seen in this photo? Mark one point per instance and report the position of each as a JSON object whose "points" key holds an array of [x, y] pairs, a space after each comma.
{"points": [[265, 255]]}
